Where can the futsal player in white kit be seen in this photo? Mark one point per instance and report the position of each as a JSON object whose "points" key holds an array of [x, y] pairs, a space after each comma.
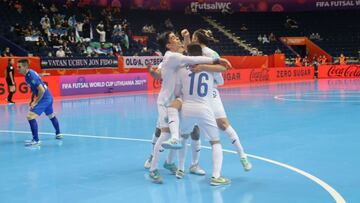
{"points": [[203, 37], [196, 90], [169, 117]]}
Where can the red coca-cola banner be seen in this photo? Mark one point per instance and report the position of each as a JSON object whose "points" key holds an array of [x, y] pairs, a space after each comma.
{"points": [[339, 71]]}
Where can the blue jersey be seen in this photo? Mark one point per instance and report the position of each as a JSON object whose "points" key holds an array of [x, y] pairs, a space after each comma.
{"points": [[33, 80]]}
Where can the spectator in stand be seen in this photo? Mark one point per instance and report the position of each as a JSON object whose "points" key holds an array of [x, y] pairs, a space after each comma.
{"points": [[168, 24], [290, 23], [260, 38], [102, 33], [265, 39], [305, 61], [342, 59], [278, 51], [272, 37], [298, 61], [72, 21], [53, 8], [317, 36], [243, 27], [6, 52], [323, 60], [312, 36], [60, 52]]}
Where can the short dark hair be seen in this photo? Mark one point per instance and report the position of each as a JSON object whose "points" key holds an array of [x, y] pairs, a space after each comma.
{"points": [[194, 49], [24, 61], [163, 40]]}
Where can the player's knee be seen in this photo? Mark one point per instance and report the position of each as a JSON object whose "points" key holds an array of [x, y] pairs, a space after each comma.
{"points": [[195, 135], [30, 116], [157, 132], [51, 116], [165, 130], [214, 142], [223, 124]]}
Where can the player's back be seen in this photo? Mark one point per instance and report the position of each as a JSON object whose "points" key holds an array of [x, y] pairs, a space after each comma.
{"points": [[196, 88]]}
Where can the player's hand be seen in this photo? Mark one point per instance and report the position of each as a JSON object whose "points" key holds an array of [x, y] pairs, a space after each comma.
{"points": [[185, 33], [196, 68], [32, 105], [225, 62]]}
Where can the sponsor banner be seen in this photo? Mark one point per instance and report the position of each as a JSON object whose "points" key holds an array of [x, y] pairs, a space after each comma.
{"points": [[93, 84], [23, 90], [78, 62], [241, 76], [339, 71], [141, 61]]}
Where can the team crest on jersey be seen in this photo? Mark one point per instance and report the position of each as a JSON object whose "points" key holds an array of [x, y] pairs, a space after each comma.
{"points": [[33, 82], [166, 119]]}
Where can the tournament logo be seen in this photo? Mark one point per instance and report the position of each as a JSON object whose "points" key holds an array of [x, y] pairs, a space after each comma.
{"points": [[157, 83]]}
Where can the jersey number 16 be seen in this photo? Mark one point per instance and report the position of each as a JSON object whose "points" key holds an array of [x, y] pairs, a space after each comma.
{"points": [[202, 87]]}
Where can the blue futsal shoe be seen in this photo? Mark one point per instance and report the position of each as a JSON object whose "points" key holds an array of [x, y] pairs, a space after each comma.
{"points": [[172, 143]]}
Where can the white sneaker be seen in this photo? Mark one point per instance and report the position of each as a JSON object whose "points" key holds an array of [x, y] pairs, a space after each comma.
{"points": [[197, 170], [147, 163], [32, 143], [179, 174]]}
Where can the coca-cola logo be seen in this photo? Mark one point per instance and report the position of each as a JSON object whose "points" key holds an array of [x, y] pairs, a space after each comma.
{"points": [[351, 71], [257, 75], [157, 83]]}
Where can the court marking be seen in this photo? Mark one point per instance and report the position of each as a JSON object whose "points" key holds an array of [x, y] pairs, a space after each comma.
{"points": [[347, 94], [334, 194]]}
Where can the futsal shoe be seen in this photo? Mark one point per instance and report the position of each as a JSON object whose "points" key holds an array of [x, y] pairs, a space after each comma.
{"points": [[180, 174], [32, 143], [246, 164], [219, 181], [147, 163], [171, 167], [197, 170], [172, 143], [59, 136], [155, 177]]}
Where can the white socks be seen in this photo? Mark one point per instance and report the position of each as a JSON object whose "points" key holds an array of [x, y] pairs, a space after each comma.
{"points": [[235, 140], [182, 155], [217, 159], [173, 115], [195, 147], [158, 149]]}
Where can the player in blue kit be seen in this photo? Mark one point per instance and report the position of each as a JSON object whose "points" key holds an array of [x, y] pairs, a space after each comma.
{"points": [[41, 101]]}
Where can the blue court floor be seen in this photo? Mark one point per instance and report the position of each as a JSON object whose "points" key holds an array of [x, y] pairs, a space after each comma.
{"points": [[303, 140]]}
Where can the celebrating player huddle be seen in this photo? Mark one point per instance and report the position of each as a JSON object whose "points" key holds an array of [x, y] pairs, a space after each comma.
{"points": [[189, 85]]}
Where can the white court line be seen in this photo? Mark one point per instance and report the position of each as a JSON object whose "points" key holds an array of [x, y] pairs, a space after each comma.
{"points": [[282, 97], [335, 195]]}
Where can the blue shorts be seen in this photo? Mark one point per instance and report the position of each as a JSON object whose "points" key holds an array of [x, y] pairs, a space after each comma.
{"points": [[45, 105]]}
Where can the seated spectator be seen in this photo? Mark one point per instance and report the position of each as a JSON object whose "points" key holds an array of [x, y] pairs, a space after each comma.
{"points": [[260, 38], [60, 52], [342, 59], [243, 27], [168, 24], [278, 51], [265, 39], [272, 37], [6, 52], [312, 36], [305, 61], [317, 36], [323, 60], [298, 61]]}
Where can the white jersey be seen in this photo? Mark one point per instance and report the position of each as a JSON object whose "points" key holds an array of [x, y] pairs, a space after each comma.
{"points": [[171, 63], [219, 80], [196, 88]]}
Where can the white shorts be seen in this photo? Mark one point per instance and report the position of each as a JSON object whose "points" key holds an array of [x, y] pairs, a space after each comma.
{"points": [[202, 116], [217, 105], [163, 119]]}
